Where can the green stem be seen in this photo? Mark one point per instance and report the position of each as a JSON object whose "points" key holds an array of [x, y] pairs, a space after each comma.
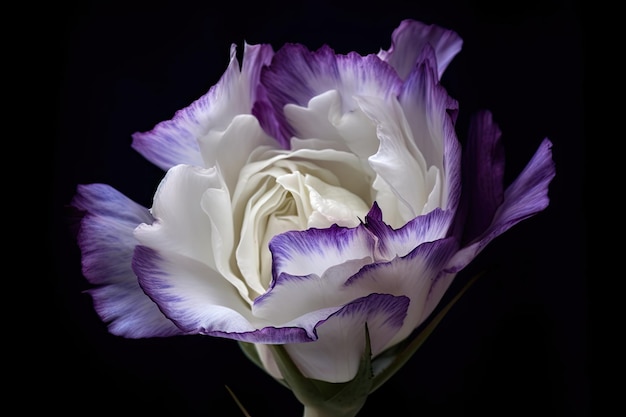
{"points": [[310, 411]]}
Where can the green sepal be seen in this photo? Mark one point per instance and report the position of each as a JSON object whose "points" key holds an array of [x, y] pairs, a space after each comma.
{"points": [[329, 399], [401, 353], [251, 353]]}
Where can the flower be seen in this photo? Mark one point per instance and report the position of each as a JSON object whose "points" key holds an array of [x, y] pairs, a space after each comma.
{"points": [[314, 201]]}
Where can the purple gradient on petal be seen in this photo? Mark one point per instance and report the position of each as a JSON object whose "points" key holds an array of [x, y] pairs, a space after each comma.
{"points": [[175, 141], [396, 306], [411, 36], [422, 90], [483, 174], [170, 142], [272, 122], [105, 235], [255, 57], [107, 243], [282, 83], [528, 194], [315, 241], [296, 75], [148, 265], [310, 240], [267, 335], [430, 226], [525, 197], [152, 278], [104, 200], [434, 254]]}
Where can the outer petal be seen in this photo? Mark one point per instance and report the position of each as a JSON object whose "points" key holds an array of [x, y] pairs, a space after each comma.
{"points": [[107, 243], [399, 242], [483, 179], [200, 301], [194, 219], [407, 261], [431, 114], [291, 296], [525, 197], [313, 251], [335, 356], [322, 124], [411, 275], [297, 75], [175, 141], [396, 160], [411, 36]]}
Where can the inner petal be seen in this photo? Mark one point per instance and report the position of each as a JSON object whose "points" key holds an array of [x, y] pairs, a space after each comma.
{"points": [[333, 204], [293, 191]]}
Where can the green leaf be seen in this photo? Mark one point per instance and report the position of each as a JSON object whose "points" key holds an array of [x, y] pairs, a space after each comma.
{"points": [[402, 353]]}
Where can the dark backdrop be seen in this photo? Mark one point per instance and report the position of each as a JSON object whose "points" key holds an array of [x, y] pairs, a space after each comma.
{"points": [[516, 343]]}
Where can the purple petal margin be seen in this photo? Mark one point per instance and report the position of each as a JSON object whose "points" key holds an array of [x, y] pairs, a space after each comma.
{"points": [[408, 40], [106, 242], [316, 243]]}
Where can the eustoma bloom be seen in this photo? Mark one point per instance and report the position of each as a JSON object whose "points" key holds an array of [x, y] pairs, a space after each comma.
{"points": [[312, 200]]}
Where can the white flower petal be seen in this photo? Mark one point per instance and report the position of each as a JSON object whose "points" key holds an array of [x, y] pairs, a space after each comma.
{"points": [[324, 119], [175, 141], [398, 162], [192, 211], [230, 149], [335, 355], [292, 296], [411, 275], [197, 298]]}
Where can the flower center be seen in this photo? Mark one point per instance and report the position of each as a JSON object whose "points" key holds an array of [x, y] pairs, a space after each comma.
{"points": [[287, 194]]}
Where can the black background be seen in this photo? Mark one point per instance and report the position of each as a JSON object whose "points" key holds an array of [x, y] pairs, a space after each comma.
{"points": [[516, 344]]}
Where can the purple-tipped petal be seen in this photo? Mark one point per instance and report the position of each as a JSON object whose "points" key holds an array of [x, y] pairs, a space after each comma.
{"points": [[296, 75], [313, 251], [399, 242], [106, 241], [525, 197], [483, 174], [411, 36], [335, 355], [431, 114], [194, 219], [175, 141], [255, 57], [101, 200], [200, 301], [290, 296], [192, 295], [411, 275]]}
